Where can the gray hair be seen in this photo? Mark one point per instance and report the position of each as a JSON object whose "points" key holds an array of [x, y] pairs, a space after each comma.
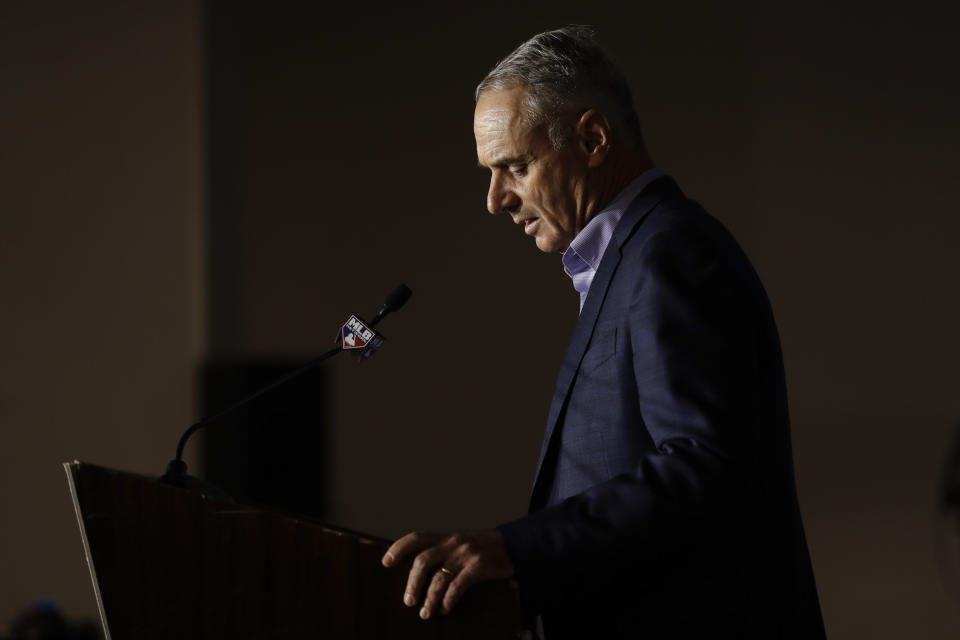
{"points": [[565, 72]]}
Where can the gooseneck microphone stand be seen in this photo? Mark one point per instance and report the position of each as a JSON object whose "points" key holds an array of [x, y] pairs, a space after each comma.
{"points": [[176, 473]]}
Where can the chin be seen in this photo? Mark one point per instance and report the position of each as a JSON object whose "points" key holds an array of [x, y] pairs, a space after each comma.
{"points": [[545, 246], [551, 244]]}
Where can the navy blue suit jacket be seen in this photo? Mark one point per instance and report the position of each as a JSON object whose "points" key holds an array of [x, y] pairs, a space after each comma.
{"points": [[664, 503]]}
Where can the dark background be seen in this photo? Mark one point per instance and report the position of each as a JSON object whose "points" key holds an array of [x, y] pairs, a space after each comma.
{"points": [[182, 183]]}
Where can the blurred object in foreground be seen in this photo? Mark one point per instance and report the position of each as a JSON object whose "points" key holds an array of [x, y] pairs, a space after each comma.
{"points": [[950, 487], [43, 621], [948, 523]]}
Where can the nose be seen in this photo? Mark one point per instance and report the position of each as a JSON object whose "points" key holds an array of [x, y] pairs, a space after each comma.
{"points": [[500, 198]]}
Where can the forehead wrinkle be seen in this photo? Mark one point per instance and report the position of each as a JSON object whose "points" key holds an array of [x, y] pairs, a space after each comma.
{"points": [[499, 142]]}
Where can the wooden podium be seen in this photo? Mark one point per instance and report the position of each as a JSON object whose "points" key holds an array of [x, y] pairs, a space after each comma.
{"points": [[172, 563]]}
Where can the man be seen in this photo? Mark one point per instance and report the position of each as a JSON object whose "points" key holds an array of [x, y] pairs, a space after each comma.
{"points": [[664, 502]]}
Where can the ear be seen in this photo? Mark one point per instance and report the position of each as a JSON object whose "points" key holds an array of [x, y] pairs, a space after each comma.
{"points": [[593, 136]]}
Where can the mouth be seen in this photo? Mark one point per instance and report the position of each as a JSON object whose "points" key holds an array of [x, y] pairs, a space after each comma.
{"points": [[529, 225]]}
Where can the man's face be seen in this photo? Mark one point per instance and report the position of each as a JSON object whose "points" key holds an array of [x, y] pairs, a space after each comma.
{"points": [[538, 186]]}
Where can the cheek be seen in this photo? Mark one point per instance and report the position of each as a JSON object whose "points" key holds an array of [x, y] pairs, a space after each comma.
{"points": [[543, 195], [556, 187], [554, 205]]}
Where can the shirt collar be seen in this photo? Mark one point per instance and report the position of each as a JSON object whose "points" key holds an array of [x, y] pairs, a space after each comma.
{"points": [[588, 246]]}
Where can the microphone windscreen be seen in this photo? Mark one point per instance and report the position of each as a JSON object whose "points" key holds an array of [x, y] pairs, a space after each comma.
{"points": [[397, 298]]}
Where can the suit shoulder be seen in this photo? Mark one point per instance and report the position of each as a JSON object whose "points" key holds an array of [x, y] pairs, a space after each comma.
{"points": [[679, 237], [680, 225]]}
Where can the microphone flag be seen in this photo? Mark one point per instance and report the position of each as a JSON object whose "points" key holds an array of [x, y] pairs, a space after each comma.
{"points": [[355, 334]]}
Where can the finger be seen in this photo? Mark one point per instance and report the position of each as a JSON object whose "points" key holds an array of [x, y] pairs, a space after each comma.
{"points": [[438, 586], [410, 543], [422, 570], [466, 578]]}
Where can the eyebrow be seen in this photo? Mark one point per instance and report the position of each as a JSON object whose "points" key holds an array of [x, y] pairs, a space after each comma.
{"points": [[504, 162]]}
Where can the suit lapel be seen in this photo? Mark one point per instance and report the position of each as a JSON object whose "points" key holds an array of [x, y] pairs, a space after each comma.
{"points": [[642, 205]]}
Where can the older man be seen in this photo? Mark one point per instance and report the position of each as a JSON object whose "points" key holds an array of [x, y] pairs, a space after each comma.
{"points": [[664, 503]]}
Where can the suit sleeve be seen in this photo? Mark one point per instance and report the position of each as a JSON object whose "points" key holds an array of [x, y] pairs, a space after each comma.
{"points": [[693, 346]]}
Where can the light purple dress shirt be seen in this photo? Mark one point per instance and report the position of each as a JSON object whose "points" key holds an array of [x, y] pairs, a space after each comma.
{"points": [[582, 257]]}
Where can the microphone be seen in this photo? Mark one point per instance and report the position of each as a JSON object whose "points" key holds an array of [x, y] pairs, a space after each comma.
{"points": [[395, 299], [354, 334]]}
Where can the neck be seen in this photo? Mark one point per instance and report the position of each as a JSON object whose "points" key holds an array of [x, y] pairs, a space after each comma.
{"points": [[620, 169]]}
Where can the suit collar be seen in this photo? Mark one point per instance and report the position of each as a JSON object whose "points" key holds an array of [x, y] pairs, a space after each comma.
{"points": [[582, 257]]}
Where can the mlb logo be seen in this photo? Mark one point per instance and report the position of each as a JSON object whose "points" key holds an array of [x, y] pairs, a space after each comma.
{"points": [[356, 335]]}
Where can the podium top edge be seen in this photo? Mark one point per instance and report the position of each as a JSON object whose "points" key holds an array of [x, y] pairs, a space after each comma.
{"points": [[73, 469]]}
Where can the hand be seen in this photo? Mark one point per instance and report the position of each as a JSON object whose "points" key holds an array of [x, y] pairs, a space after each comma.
{"points": [[466, 559]]}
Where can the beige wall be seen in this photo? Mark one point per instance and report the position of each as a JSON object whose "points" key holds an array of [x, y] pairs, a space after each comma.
{"points": [[102, 271]]}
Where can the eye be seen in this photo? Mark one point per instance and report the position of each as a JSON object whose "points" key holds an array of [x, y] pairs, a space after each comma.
{"points": [[518, 169]]}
